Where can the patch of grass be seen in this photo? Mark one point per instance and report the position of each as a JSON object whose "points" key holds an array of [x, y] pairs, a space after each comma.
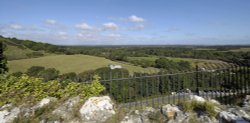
{"points": [[193, 119], [207, 107], [71, 63]]}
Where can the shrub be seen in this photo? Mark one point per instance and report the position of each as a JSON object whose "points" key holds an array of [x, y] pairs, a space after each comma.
{"points": [[29, 89], [17, 74], [35, 70], [49, 74], [69, 76]]}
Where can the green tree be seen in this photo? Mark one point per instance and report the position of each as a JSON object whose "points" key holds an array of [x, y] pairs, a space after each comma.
{"points": [[184, 65], [3, 60]]}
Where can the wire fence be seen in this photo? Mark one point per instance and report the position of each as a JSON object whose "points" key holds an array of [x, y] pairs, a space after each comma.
{"points": [[224, 82]]}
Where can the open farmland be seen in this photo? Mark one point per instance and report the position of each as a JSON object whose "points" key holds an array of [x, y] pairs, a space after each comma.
{"points": [[71, 63]]}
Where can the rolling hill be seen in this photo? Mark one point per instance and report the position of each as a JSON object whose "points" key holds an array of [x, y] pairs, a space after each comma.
{"points": [[15, 49]]}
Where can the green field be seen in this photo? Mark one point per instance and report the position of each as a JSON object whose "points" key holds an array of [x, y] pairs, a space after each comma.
{"points": [[71, 63], [200, 62]]}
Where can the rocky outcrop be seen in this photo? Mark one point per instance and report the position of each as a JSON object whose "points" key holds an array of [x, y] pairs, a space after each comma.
{"points": [[66, 110], [174, 114], [97, 109], [8, 113], [234, 115]]}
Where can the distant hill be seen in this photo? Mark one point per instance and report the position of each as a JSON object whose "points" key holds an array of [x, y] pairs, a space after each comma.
{"points": [[15, 49]]}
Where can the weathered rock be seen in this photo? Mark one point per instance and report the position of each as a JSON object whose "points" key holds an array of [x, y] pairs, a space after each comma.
{"points": [[170, 111], [240, 112], [8, 116], [3, 116], [173, 114], [97, 109], [228, 117], [132, 119], [66, 110], [206, 119], [149, 114], [45, 102], [197, 98], [246, 102]]}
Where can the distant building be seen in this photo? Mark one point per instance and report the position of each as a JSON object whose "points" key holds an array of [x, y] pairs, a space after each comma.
{"points": [[111, 66]]}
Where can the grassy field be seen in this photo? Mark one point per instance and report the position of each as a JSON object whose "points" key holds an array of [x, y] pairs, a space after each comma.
{"points": [[200, 62], [71, 63]]}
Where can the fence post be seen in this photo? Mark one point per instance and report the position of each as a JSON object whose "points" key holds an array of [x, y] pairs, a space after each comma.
{"points": [[197, 80]]}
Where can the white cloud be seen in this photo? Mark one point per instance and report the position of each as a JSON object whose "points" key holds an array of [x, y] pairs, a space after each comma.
{"points": [[136, 19], [110, 25], [63, 35], [50, 21], [15, 26], [138, 27], [83, 26], [114, 35]]}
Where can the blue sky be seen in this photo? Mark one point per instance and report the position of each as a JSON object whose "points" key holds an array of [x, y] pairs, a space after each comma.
{"points": [[117, 22]]}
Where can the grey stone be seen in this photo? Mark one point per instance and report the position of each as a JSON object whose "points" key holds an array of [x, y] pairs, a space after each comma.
{"points": [[97, 109], [228, 117], [206, 119], [8, 116]]}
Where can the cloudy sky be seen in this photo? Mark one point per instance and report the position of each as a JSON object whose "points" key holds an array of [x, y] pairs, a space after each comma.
{"points": [[117, 22]]}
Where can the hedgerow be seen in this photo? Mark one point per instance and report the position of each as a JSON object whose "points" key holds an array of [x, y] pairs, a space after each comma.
{"points": [[29, 89]]}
